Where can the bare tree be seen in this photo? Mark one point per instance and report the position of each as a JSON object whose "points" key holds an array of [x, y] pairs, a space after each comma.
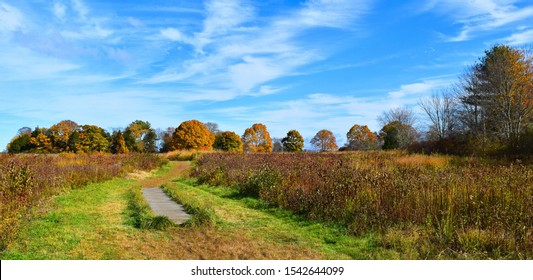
{"points": [[403, 115], [442, 112], [403, 119], [213, 127]]}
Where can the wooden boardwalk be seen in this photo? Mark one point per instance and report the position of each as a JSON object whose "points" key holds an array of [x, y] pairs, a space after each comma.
{"points": [[162, 205]]}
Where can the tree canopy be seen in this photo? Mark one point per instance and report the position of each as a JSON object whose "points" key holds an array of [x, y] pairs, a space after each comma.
{"points": [[361, 138], [496, 97], [228, 141], [325, 141], [194, 135], [257, 139], [293, 142], [140, 137]]}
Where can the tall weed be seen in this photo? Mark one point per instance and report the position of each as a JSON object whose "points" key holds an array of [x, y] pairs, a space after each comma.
{"points": [[448, 197], [27, 181]]}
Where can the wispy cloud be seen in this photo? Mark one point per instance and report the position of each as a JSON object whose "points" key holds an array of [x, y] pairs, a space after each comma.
{"points": [[521, 38], [481, 15], [413, 91], [11, 19], [236, 53], [59, 10]]}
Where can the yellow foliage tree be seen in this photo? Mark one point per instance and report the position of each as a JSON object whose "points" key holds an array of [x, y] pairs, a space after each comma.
{"points": [[59, 134], [256, 139], [361, 138]]}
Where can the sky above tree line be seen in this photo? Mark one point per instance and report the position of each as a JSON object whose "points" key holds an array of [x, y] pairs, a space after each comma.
{"points": [[304, 65]]}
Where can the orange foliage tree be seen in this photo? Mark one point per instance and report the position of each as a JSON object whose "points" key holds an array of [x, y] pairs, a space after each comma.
{"points": [[59, 134], [325, 141], [193, 135], [256, 139], [361, 138]]}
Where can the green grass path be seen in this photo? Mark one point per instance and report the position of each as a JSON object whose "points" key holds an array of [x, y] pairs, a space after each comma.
{"points": [[93, 223]]}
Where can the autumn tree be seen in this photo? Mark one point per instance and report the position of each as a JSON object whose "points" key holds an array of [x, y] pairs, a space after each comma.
{"points": [[325, 141], [496, 96], [360, 138], [140, 137], [59, 134], [92, 138], [194, 135], [228, 141], [40, 142], [118, 143], [257, 139], [293, 142]]}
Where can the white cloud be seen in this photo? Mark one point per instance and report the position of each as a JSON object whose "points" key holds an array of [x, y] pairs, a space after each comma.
{"points": [[521, 38], [173, 34], [80, 8], [223, 15], [135, 22], [332, 13], [480, 15], [11, 19], [22, 65], [409, 91], [59, 10], [253, 71]]}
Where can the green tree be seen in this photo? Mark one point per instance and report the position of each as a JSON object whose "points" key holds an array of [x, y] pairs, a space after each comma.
{"points": [[194, 135], [325, 141], [361, 138], [140, 137], [228, 141], [293, 142], [389, 136], [19, 144], [256, 139]]}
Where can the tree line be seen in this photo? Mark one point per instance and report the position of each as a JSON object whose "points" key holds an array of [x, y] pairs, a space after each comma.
{"points": [[489, 110]]}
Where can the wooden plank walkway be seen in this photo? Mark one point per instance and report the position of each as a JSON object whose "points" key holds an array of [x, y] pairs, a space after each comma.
{"points": [[163, 205]]}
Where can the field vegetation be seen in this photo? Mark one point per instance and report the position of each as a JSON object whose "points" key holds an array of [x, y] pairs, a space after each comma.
{"points": [[28, 181], [423, 206]]}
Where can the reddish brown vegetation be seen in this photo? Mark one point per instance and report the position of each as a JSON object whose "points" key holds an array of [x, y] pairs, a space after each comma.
{"points": [[449, 199]]}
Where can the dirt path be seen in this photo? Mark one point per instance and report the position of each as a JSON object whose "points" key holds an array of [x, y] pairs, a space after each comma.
{"points": [[160, 203]]}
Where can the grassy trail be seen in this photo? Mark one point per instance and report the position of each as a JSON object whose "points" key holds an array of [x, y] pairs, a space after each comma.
{"points": [[93, 223]]}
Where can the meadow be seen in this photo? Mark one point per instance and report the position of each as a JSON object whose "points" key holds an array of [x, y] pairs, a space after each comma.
{"points": [[28, 181], [357, 205], [424, 207]]}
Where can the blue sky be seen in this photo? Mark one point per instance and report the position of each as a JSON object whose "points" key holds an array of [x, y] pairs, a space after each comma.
{"points": [[305, 65]]}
